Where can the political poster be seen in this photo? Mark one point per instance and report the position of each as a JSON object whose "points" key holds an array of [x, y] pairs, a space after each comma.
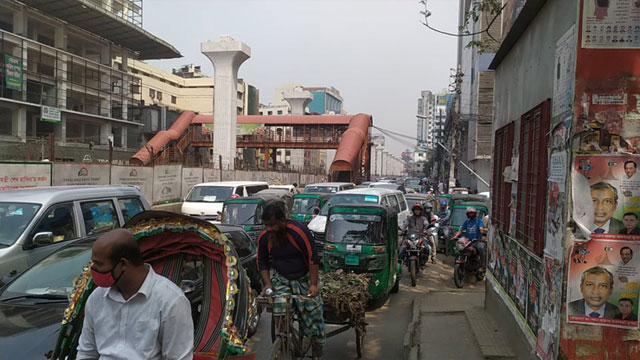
{"points": [[138, 176], [167, 183], [563, 81], [80, 174], [613, 185], [24, 175], [603, 280], [611, 24]]}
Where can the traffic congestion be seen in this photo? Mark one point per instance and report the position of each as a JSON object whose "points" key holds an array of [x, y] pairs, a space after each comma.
{"points": [[320, 255]]}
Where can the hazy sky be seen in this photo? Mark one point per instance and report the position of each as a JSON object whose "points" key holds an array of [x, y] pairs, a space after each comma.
{"points": [[375, 52]]}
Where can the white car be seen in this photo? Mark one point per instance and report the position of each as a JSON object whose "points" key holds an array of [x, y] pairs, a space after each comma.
{"points": [[206, 200], [290, 188], [385, 197]]}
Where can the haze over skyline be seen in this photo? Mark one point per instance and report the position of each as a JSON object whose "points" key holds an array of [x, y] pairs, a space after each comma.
{"points": [[375, 52]]}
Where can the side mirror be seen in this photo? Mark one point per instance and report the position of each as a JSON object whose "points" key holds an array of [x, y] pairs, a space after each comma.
{"points": [[43, 238], [316, 211]]}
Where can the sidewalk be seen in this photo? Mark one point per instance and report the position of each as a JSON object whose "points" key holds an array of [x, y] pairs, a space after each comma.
{"points": [[451, 323]]}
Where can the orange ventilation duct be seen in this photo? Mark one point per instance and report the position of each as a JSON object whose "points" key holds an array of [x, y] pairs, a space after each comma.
{"points": [[353, 141], [162, 138]]}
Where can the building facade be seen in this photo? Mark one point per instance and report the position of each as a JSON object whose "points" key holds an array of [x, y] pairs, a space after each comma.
{"points": [[566, 102], [59, 77], [426, 106], [186, 89]]}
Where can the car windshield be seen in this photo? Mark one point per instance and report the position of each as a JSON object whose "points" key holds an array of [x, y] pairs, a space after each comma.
{"points": [[412, 182], [210, 193], [304, 205], [386, 186], [354, 229], [348, 199], [14, 219], [241, 214], [54, 275], [321, 189]]}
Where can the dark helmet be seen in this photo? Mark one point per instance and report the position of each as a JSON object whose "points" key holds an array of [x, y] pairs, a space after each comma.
{"points": [[418, 206], [428, 206], [443, 203]]}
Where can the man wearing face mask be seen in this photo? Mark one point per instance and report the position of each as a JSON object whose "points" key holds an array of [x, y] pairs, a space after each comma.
{"points": [[133, 313], [474, 228]]}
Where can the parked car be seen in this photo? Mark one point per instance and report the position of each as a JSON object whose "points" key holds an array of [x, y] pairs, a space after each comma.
{"points": [[385, 197], [205, 201], [32, 304], [37, 221], [290, 188], [333, 187]]}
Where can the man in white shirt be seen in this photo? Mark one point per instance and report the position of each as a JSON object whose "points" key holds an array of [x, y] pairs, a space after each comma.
{"points": [[133, 313]]}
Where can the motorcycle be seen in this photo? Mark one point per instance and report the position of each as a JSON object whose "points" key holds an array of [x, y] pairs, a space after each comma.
{"points": [[416, 253], [467, 261]]}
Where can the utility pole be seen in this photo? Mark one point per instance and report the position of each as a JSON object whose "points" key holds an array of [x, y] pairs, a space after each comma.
{"points": [[455, 85]]}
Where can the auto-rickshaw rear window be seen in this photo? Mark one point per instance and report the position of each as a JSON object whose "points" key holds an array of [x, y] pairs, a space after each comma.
{"points": [[305, 205], [354, 229], [241, 214]]}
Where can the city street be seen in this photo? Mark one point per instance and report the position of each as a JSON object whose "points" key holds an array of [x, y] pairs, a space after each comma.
{"points": [[388, 325]]}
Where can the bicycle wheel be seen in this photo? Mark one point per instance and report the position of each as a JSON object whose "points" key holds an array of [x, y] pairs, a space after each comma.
{"points": [[278, 352], [359, 342]]}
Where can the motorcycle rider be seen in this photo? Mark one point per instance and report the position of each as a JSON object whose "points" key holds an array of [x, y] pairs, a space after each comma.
{"points": [[474, 227], [444, 214], [418, 223], [428, 211]]}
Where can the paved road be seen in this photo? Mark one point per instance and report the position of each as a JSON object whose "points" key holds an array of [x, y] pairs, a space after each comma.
{"points": [[387, 325]]}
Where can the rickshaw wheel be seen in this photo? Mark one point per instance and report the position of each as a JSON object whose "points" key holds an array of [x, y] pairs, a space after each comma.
{"points": [[359, 342], [255, 315], [278, 351]]}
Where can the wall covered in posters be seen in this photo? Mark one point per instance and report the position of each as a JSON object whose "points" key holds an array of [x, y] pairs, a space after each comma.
{"points": [[606, 135], [519, 273]]}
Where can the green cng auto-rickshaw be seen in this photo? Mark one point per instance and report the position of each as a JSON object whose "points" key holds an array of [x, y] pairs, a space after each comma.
{"points": [[306, 206], [363, 238], [459, 215], [247, 211]]}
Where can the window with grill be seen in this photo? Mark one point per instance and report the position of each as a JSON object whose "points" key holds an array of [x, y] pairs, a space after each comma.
{"points": [[532, 178], [501, 189]]}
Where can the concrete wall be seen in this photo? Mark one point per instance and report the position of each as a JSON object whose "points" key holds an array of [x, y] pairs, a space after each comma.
{"points": [[525, 76]]}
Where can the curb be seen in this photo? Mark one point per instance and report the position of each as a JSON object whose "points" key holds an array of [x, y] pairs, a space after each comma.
{"points": [[410, 345]]}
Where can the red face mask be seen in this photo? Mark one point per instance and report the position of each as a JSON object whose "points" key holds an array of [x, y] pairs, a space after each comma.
{"points": [[105, 279]]}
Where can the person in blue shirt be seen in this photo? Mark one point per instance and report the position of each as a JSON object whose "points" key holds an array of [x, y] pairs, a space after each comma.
{"points": [[474, 229]]}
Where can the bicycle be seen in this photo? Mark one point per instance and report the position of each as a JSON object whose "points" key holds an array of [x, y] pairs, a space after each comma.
{"points": [[289, 341]]}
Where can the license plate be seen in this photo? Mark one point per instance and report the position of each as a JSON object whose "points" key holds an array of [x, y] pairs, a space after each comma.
{"points": [[352, 260]]}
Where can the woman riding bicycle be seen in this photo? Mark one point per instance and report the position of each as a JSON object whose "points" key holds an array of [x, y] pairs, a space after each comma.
{"points": [[289, 248]]}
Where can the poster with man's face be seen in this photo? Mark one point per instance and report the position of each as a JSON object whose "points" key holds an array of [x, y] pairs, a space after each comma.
{"points": [[606, 195], [603, 280]]}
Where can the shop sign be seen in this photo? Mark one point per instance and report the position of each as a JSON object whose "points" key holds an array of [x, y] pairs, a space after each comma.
{"points": [[50, 114], [13, 72]]}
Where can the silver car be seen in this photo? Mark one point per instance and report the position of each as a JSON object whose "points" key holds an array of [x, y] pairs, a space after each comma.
{"points": [[35, 222]]}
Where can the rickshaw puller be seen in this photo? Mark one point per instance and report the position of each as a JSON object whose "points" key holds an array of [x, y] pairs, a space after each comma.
{"points": [[295, 260]]}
